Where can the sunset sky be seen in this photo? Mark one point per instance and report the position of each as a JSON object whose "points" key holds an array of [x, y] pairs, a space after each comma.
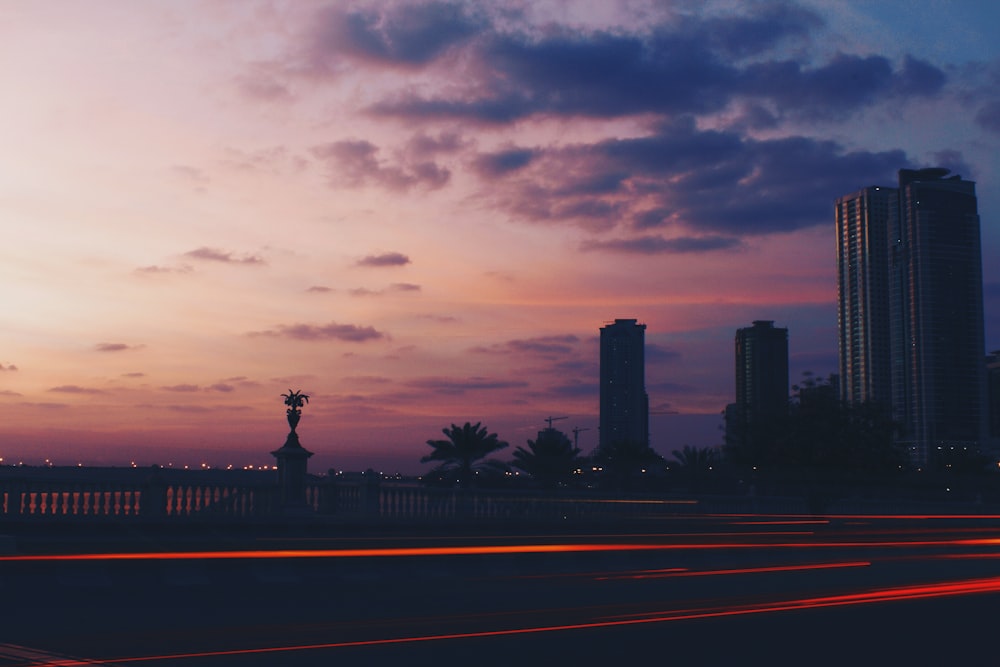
{"points": [[422, 213]]}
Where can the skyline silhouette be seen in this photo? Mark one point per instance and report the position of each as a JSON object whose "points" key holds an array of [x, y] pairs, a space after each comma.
{"points": [[423, 214]]}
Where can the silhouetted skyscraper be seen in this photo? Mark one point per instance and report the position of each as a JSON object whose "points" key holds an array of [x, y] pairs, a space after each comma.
{"points": [[936, 313], [863, 291], [624, 402], [911, 307], [761, 372]]}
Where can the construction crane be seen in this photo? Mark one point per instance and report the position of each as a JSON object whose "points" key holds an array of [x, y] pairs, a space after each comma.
{"points": [[554, 419], [576, 436]]}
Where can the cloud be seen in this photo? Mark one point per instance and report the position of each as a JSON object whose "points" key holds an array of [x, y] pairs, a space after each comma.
{"points": [[133, 375], [8, 367], [115, 347], [216, 255], [988, 117], [408, 35], [657, 353], [385, 259], [155, 269], [653, 245], [8, 392], [74, 389], [182, 388], [715, 183], [686, 64], [356, 163], [404, 287], [319, 289], [546, 346], [309, 332], [222, 387], [453, 386]]}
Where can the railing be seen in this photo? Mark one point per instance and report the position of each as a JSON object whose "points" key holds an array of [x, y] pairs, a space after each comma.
{"points": [[136, 494]]}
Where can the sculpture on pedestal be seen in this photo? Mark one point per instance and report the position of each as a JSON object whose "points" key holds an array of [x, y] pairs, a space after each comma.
{"points": [[294, 400], [292, 457]]}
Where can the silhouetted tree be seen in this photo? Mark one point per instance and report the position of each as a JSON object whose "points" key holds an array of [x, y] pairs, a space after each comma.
{"points": [[627, 465], [461, 455], [695, 464], [551, 460]]}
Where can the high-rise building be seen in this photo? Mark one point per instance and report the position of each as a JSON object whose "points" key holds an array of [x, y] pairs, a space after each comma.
{"points": [[624, 402], [936, 319], [993, 396], [761, 372], [863, 220], [911, 307]]}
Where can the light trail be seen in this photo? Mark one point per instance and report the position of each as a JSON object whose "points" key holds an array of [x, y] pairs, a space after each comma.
{"points": [[682, 572], [491, 549], [901, 593]]}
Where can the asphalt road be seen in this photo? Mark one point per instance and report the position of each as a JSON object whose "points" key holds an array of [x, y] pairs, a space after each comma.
{"points": [[719, 590]]}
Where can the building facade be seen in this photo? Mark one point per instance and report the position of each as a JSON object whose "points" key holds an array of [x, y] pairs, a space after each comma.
{"points": [[761, 372], [937, 313], [863, 220], [624, 402], [910, 308]]}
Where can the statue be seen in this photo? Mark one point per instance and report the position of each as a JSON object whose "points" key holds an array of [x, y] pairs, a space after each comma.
{"points": [[294, 400]]}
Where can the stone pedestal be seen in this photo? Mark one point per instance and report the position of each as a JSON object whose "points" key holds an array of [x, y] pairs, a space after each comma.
{"points": [[292, 462]]}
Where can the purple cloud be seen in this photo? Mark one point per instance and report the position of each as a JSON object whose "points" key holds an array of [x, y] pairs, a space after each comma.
{"points": [[452, 386], [215, 255], [183, 388], [546, 346], [653, 245], [115, 347], [385, 259], [74, 389], [356, 163], [408, 35], [309, 332]]}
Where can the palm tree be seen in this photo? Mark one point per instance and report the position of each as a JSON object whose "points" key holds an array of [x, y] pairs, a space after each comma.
{"points": [[461, 453], [695, 464], [551, 459]]}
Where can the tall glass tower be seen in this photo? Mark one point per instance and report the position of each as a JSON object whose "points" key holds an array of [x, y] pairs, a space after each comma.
{"points": [[936, 322], [910, 308], [863, 294], [624, 402]]}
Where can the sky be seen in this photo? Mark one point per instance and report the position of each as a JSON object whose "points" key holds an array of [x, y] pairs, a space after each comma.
{"points": [[421, 213]]}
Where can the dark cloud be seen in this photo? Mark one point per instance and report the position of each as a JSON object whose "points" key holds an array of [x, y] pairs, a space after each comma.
{"points": [[222, 386], [654, 245], [183, 388], [657, 353], [988, 117], [688, 65], [408, 34], [216, 255], [404, 287], [503, 162], [385, 259], [115, 347], [356, 163], [460, 386], [547, 346], [332, 331], [74, 389], [714, 182]]}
